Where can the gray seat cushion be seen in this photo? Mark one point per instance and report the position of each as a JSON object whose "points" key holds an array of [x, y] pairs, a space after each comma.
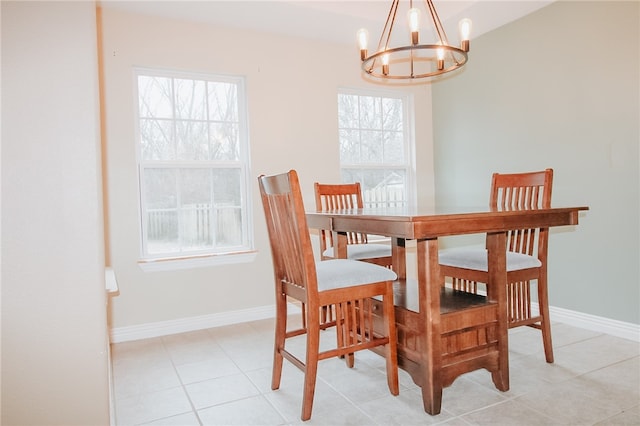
{"points": [[364, 251], [475, 258], [339, 273]]}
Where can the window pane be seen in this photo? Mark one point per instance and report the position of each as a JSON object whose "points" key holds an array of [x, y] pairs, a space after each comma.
{"points": [[228, 198], [155, 97], [370, 112], [160, 188], [393, 147], [192, 140], [225, 141], [190, 99], [371, 151], [195, 187], [156, 138], [348, 112], [223, 102], [349, 146], [161, 210], [392, 114], [195, 209], [227, 187]]}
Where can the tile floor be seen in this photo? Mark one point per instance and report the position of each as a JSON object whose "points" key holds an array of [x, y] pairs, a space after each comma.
{"points": [[221, 376]]}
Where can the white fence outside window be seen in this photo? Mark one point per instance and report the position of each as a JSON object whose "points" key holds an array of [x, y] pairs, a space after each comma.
{"points": [[384, 197]]}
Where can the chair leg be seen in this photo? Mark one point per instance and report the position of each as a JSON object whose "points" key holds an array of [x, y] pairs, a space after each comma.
{"points": [[311, 366], [545, 323], [278, 346], [391, 352]]}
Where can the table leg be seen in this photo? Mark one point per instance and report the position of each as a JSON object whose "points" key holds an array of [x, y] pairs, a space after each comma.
{"points": [[339, 244], [496, 291], [399, 257], [429, 324]]}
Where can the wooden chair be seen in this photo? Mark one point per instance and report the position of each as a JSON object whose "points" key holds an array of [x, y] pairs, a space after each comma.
{"points": [[345, 285], [348, 196], [526, 255], [338, 197]]}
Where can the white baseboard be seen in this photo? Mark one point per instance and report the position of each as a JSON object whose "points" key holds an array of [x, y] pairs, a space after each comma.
{"points": [[616, 328], [625, 330], [182, 325]]}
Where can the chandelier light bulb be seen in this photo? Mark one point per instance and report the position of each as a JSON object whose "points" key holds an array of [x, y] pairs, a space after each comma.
{"points": [[385, 64], [465, 33], [414, 24], [363, 40], [440, 57]]}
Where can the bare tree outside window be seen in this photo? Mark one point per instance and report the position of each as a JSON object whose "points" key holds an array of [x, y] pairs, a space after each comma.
{"points": [[192, 163]]}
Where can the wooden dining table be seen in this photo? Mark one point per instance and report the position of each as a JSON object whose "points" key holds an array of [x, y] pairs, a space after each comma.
{"points": [[420, 301]]}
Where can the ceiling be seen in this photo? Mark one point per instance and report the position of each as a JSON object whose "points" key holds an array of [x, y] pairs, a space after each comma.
{"points": [[327, 20]]}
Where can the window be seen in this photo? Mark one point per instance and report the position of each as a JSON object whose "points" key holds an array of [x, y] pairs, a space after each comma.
{"points": [[376, 146], [193, 164]]}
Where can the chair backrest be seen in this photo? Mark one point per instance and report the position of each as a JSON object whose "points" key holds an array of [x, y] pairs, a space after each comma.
{"points": [[338, 197], [292, 253], [524, 191]]}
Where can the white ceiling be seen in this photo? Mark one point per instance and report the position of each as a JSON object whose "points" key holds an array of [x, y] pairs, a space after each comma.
{"points": [[336, 21]]}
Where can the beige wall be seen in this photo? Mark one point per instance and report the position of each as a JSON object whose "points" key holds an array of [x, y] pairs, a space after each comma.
{"points": [[54, 331], [558, 88], [292, 100]]}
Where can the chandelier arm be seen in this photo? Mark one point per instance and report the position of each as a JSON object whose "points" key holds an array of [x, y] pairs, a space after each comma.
{"points": [[442, 35], [436, 22], [388, 28]]}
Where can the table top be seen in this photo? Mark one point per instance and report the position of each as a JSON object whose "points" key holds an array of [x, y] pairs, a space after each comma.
{"points": [[435, 222]]}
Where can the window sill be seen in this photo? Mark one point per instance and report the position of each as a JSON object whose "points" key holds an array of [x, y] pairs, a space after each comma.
{"points": [[192, 262]]}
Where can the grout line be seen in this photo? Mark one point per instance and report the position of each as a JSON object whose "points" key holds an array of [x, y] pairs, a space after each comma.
{"points": [[184, 388]]}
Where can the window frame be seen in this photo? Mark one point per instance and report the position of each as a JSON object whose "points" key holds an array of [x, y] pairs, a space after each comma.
{"points": [[408, 115], [186, 259]]}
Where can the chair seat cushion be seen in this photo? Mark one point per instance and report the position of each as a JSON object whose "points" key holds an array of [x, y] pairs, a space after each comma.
{"points": [[339, 273], [363, 251], [476, 258]]}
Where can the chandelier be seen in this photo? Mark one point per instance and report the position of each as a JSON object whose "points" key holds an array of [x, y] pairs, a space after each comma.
{"points": [[411, 59]]}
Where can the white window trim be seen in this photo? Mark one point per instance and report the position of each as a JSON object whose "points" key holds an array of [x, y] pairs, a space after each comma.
{"points": [[408, 105], [195, 259], [192, 262]]}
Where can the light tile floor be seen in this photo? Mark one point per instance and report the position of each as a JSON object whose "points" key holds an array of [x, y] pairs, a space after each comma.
{"points": [[221, 376]]}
